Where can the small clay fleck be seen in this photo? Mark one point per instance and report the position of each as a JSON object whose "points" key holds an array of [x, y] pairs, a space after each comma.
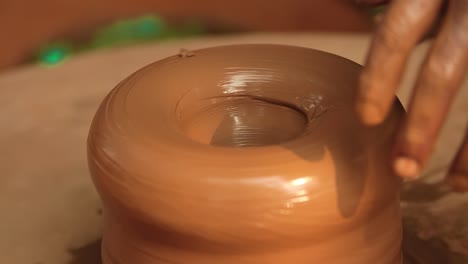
{"points": [[185, 53]]}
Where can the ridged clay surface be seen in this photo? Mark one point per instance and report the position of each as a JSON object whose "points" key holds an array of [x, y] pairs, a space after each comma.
{"points": [[244, 154]]}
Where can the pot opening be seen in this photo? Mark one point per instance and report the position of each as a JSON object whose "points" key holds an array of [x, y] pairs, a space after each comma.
{"points": [[244, 121]]}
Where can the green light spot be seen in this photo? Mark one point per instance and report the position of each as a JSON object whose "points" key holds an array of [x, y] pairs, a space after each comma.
{"points": [[54, 55], [149, 27]]}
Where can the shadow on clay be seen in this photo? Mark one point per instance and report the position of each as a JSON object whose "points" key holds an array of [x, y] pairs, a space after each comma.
{"points": [[87, 254], [350, 187]]}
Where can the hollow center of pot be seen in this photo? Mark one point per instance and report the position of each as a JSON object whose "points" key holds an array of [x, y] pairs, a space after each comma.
{"points": [[245, 122]]}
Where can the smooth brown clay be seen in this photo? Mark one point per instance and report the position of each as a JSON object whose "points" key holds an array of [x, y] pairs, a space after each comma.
{"points": [[244, 154]]}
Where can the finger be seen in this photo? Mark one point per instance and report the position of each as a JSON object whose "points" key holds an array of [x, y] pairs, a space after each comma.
{"points": [[440, 78], [458, 173], [402, 27]]}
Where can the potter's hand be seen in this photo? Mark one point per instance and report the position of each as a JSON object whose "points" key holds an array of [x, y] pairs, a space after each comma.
{"points": [[441, 76]]}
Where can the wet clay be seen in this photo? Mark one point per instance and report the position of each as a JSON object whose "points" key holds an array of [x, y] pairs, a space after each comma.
{"points": [[244, 154]]}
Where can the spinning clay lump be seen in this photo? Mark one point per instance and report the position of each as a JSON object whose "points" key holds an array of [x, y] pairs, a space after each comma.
{"points": [[244, 154]]}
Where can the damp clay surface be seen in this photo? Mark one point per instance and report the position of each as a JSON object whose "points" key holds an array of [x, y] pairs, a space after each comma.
{"points": [[244, 154]]}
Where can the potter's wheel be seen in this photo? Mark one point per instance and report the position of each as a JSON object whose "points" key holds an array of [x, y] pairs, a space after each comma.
{"points": [[50, 211]]}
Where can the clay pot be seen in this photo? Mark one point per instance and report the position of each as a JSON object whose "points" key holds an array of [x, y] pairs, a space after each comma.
{"points": [[244, 154]]}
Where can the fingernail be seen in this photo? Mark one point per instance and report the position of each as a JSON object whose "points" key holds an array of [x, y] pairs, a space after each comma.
{"points": [[370, 114], [458, 181], [406, 167]]}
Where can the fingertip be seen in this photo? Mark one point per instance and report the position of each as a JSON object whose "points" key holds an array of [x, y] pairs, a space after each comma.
{"points": [[369, 113], [407, 168], [370, 103]]}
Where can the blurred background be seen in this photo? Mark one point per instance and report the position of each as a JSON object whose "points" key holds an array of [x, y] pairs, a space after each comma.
{"points": [[48, 31]]}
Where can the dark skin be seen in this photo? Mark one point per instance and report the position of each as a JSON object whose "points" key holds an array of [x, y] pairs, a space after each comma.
{"points": [[440, 78]]}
